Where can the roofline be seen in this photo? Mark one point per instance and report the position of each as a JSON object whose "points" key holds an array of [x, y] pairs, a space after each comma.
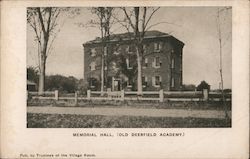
{"points": [[127, 39]]}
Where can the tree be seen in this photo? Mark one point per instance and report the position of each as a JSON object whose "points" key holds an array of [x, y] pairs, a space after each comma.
{"points": [[203, 85], [44, 22], [104, 15], [61, 83], [220, 52], [188, 87], [103, 23], [138, 19], [32, 74]]}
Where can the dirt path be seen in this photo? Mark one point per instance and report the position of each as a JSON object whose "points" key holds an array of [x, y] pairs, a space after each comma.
{"points": [[128, 112]]}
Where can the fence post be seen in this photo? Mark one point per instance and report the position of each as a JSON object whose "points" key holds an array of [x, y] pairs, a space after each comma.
{"points": [[88, 94], [109, 93], [122, 95], [205, 94], [76, 98], [56, 95], [161, 95]]}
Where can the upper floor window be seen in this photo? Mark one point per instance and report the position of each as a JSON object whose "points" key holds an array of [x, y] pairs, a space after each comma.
{"points": [[105, 50], [157, 46], [93, 52], [145, 62], [144, 48], [156, 81], [172, 62], [128, 62], [114, 66], [172, 82], [117, 49], [92, 66], [131, 49], [157, 62]]}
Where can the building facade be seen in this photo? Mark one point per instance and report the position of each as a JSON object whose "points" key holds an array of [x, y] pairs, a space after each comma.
{"points": [[114, 62]]}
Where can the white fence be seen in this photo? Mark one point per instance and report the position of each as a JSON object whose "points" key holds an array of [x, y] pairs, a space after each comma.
{"points": [[160, 96]]}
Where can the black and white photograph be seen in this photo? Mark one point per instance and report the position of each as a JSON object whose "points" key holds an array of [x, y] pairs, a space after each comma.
{"points": [[124, 79], [129, 67]]}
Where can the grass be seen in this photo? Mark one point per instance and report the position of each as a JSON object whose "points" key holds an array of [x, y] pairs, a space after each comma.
{"points": [[98, 121], [211, 105]]}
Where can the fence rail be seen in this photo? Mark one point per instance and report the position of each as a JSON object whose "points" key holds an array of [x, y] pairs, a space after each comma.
{"points": [[132, 95]]}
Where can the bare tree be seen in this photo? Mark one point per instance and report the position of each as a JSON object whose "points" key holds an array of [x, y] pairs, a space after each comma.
{"points": [[220, 52], [44, 22], [138, 19], [104, 24]]}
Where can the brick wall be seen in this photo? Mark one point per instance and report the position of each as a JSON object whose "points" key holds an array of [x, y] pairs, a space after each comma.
{"points": [[170, 49]]}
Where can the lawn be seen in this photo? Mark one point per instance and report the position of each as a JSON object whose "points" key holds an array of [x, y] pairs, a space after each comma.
{"points": [[211, 105], [99, 121]]}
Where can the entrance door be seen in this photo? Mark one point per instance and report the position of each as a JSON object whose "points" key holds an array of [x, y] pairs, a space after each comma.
{"points": [[117, 85]]}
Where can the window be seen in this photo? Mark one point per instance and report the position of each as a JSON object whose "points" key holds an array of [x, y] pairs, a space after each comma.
{"points": [[114, 67], [92, 66], [144, 81], [144, 48], [145, 62], [128, 62], [93, 52], [117, 49], [157, 62], [105, 50], [156, 81], [172, 63], [157, 46], [172, 82], [130, 49], [129, 82], [92, 82]]}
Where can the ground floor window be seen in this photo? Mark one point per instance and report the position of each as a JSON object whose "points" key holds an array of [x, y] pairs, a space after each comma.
{"points": [[129, 82], [156, 81], [144, 81], [92, 82]]}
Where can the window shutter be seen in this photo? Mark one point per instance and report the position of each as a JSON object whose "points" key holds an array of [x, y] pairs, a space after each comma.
{"points": [[153, 81], [105, 51], [144, 47], [127, 62], [172, 62], [93, 52], [160, 45], [127, 49], [153, 63], [155, 46], [160, 80], [172, 84], [146, 79]]}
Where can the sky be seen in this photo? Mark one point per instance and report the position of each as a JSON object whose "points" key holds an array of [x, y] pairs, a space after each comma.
{"points": [[197, 27]]}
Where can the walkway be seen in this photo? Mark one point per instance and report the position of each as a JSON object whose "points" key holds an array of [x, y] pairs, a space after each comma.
{"points": [[128, 112]]}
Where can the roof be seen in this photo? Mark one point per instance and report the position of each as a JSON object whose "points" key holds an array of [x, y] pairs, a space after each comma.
{"points": [[127, 36]]}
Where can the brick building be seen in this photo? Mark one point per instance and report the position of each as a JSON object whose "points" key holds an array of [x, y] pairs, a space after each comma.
{"points": [[161, 63]]}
